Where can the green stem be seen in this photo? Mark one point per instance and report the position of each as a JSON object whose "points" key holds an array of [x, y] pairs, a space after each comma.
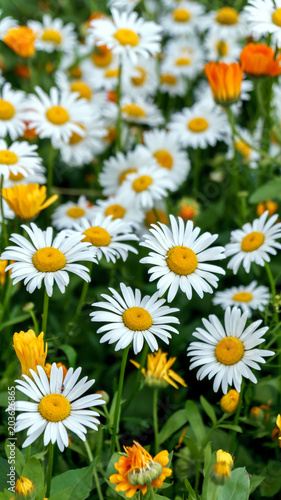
{"points": [[82, 296], [151, 492], [197, 474], [49, 469], [215, 492], [88, 451], [4, 236], [118, 400], [27, 455], [119, 115], [236, 419], [235, 159], [138, 377], [95, 474], [45, 312], [155, 419], [35, 322]]}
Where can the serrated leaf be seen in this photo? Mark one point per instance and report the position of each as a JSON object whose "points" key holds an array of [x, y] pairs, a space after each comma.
{"points": [[237, 487], [80, 481], [208, 410], [173, 424], [196, 422]]}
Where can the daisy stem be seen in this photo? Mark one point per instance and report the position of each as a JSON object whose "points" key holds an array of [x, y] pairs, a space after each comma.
{"points": [[45, 312], [119, 117], [49, 469], [95, 474], [272, 287], [138, 377], [118, 400], [155, 419], [82, 296], [236, 420], [4, 228]]}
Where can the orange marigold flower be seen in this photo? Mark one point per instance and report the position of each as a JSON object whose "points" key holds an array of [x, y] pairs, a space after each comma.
{"points": [[30, 350], [188, 209], [3, 265], [258, 59], [159, 371], [277, 430], [225, 81], [24, 487], [22, 71], [27, 201], [137, 469], [269, 205], [21, 40]]}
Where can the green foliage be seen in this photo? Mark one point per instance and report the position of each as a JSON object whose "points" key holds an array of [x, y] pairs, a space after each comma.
{"points": [[79, 480]]}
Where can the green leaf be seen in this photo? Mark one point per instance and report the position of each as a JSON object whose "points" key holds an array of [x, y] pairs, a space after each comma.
{"points": [[272, 481], [14, 321], [5, 469], [192, 446], [255, 481], [62, 495], [173, 424], [208, 487], [237, 487], [270, 190], [208, 410], [195, 421], [70, 354], [80, 481], [207, 458], [231, 427], [33, 471], [17, 459], [190, 489]]}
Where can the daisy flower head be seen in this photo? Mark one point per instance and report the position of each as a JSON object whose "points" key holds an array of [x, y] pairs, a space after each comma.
{"points": [[12, 112], [141, 111], [166, 150], [57, 116], [56, 406], [19, 160], [107, 237], [248, 298], [124, 4], [221, 48], [201, 125], [47, 260], [85, 89], [53, 35], [130, 318], [183, 57], [264, 17], [226, 22], [140, 80], [101, 69], [171, 83], [254, 242], [183, 19], [228, 352], [69, 214], [119, 208], [5, 24], [146, 186], [249, 155], [180, 258], [127, 34]]}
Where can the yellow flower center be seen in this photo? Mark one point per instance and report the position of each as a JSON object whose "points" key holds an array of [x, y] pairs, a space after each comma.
{"points": [[181, 15], [82, 88], [126, 37], [54, 407], [137, 319], [97, 236], [75, 212], [123, 176], [182, 260], [7, 110], [150, 217], [117, 211], [139, 80], [242, 297], [134, 110], [222, 48], [76, 138], [227, 15], [8, 157], [111, 73], [48, 260], [243, 149], [142, 183], [57, 115], [276, 17], [229, 351], [168, 79], [183, 61], [102, 59], [198, 124], [164, 158], [17, 177], [52, 36], [252, 241]]}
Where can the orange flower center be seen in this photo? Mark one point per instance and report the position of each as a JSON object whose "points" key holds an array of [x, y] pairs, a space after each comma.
{"points": [[198, 124], [54, 407], [222, 48], [243, 149], [276, 17], [252, 241], [227, 16], [164, 158], [97, 236], [142, 183], [17, 177], [123, 175], [242, 297], [75, 212], [126, 36], [168, 79], [183, 61], [181, 15], [102, 59], [51, 36], [137, 319], [8, 157], [150, 217], [134, 110], [49, 260], [76, 138], [181, 260], [82, 88], [141, 78], [117, 211], [7, 110], [229, 351], [57, 115], [111, 73]]}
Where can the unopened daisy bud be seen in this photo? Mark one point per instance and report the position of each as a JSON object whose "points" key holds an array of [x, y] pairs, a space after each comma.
{"points": [[104, 396], [221, 471], [225, 81], [229, 401], [29, 306], [188, 208], [24, 486], [21, 40], [269, 205], [30, 350]]}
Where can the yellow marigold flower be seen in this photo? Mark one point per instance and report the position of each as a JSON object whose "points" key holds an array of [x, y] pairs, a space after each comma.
{"points": [[21, 40], [225, 81], [3, 265], [30, 350], [24, 486], [48, 368], [138, 469], [27, 201], [158, 371], [269, 205], [221, 471], [229, 401]]}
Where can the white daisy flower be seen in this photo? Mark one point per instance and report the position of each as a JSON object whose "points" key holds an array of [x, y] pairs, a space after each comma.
{"points": [[45, 259], [264, 17], [222, 49], [127, 34], [69, 214], [107, 237], [146, 186], [228, 352], [119, 208], [165, 148], [200, 126], [184, 19], [130, 318], [227, 23], [171, 83], [124, 4], [12, 112], [56, 406], [85, 89], [53, 35], [101, 69], [5, 24], [249, 156], [19, 160], [140, 80], [180, 258], [38, 178], [183, 58], [140, 111], [253, 243], [248, 298], [116, 168], [56, 116]]}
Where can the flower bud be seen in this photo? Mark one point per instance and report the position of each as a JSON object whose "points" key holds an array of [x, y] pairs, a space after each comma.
{"points": [[24, 486], [229, 401]]}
